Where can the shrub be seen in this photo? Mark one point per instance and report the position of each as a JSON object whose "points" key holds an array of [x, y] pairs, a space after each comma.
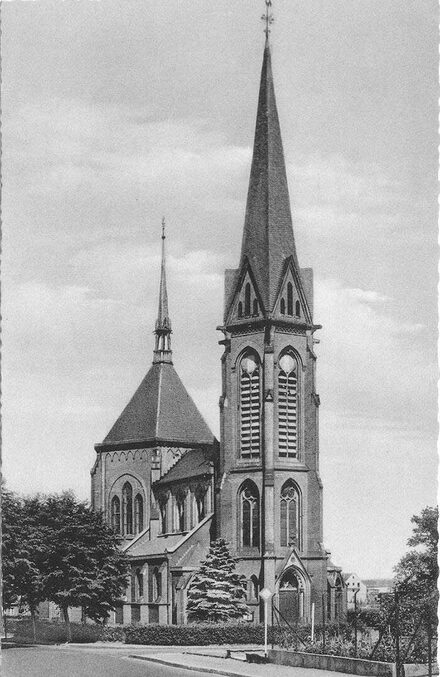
{"points": [[197, 634], [112, 633]]}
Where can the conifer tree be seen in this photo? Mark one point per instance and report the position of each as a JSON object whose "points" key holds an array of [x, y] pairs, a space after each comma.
{"points": [[217, 593]]}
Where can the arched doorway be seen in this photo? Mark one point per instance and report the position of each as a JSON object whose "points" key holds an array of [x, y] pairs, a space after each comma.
{"points": [[291, 596]]}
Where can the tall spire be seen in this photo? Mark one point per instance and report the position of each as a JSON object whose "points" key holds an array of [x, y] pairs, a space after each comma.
{"points": [[162, 350], [268, 235]]}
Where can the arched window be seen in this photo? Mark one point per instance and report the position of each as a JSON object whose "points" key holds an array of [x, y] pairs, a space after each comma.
{"points": [[255, 307], [180, 512], [201, 503], [250, 406], [139, 583], [289, 298], [127, 508], [247, 299], [253, 589], [138, 514], [250, 516], [288, 406], [240, 309], [289, 515], [297, 309], [116, 514], [156, 584], [283, 307], [163, 508]]}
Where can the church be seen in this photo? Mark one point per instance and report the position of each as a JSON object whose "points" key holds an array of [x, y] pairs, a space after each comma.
{"points": [[168, 487]]}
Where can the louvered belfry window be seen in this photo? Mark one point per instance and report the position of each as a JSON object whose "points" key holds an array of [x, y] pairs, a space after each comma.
{"points": [[250, 407], [288, 407]]}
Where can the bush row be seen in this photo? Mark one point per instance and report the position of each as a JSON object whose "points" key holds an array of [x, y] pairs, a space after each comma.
{"points": [[50, 632], [196, 634]]}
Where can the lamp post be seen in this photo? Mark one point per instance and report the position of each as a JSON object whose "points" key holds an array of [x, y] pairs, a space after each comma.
{"points": [[265, 595], [355, 623]]}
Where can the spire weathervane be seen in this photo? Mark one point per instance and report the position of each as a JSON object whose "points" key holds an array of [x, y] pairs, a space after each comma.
{"points": [[268, 17]]}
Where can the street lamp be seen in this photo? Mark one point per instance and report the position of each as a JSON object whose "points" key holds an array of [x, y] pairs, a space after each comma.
{"points": [[265, 595]]}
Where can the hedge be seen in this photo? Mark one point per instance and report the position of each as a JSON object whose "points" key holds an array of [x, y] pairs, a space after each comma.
{"points": [[197, 634], [49, 632]]}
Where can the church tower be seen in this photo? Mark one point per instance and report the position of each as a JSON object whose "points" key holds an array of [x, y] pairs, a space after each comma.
{"points": [[269, 490]]}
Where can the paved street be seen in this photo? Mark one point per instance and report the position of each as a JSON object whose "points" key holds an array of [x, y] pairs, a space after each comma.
{"points": [[65, 662]]}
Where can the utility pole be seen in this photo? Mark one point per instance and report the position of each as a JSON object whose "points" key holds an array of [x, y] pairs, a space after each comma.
{"points": [[396, 601]]}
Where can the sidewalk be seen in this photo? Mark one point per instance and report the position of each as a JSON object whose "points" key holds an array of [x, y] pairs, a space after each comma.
{"points": [[216, 663]]}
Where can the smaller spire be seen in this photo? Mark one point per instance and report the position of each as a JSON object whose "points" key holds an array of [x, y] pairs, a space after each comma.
{"points": [[268, 18], [162, 350]]}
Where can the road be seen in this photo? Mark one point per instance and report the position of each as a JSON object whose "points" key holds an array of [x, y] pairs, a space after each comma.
{"points": [[65, 662]]}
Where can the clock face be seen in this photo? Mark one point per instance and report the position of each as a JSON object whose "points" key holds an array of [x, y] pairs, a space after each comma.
{"points": [[287, 364], [249, 365]]}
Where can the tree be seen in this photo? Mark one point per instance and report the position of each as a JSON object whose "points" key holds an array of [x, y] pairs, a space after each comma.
{"points": [[216, 592], [56, 548], [84, 565], [22, 552]]}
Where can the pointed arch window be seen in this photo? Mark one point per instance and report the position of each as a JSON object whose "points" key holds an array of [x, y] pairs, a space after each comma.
{"points": [[139, 583], [249, 516], [240, 309], [163, 509], [288, 406], [255, 307], [250, 388], [297, 309], [155, 584], [127, 508], [180, 512], [289, 515], [283, 307], [116, 514], [138, 514], [200, 496], [247, 299], [289, 298]]}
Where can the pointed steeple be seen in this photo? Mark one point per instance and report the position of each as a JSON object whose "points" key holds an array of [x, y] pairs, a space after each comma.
{"points": [[268, 235], [162, 349]]}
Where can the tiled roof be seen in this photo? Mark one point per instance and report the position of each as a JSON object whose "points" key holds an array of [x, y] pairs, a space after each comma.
{"points": [[162, 545], [161, 410], [378, 582], [192, 464], [268, 234]]}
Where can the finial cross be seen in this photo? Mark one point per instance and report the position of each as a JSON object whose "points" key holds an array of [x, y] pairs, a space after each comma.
{"points": [[268, 17], [163, 228]]}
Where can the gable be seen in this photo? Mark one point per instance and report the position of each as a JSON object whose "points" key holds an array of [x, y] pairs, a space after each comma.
{"points": [[291, 303], [245, 300]]}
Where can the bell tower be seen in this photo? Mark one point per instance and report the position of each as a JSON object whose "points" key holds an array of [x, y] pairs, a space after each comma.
{"points": [[269, 498]]}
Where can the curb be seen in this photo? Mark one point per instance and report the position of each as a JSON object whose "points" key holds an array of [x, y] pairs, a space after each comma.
{"points": [[172, 664]]}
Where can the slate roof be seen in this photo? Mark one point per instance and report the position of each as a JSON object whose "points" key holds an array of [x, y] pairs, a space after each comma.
{"points": [[143, 547], [268, 234], [161, 410], [192, 464]]}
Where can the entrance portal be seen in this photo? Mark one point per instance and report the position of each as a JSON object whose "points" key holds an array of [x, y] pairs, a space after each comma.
{"points": [[290, 597]]}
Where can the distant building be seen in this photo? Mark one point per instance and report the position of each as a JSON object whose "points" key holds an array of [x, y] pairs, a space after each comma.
{"points": [[377, 587], [353, 583]]}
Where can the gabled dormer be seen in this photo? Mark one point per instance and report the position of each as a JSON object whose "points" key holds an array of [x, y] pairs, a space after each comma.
{"points": [[292, 302], [245, 301]]}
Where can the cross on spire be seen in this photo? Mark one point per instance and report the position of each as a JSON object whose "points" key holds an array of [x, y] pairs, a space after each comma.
{"points": [[162, 350], [268, 17]]}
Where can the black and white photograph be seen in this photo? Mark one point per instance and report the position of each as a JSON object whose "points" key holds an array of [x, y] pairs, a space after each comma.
{"points": [[219, 275]]}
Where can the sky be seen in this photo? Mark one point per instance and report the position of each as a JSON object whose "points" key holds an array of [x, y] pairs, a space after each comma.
{"points": [[116, 114]]}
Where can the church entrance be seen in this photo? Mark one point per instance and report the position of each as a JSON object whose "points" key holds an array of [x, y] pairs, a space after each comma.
{"points": [[290, 597]]}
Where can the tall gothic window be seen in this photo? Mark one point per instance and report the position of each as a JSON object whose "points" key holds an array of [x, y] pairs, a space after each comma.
{"points": [[283, 307], [250, 406], [163, 508], [289, 298], [289, 515], [288, 406], [249, 515], [180, 512], [139, 583], [297, 309], [127, 508], [247, 299], [200, 496], [138, 514], [116, 514]]}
